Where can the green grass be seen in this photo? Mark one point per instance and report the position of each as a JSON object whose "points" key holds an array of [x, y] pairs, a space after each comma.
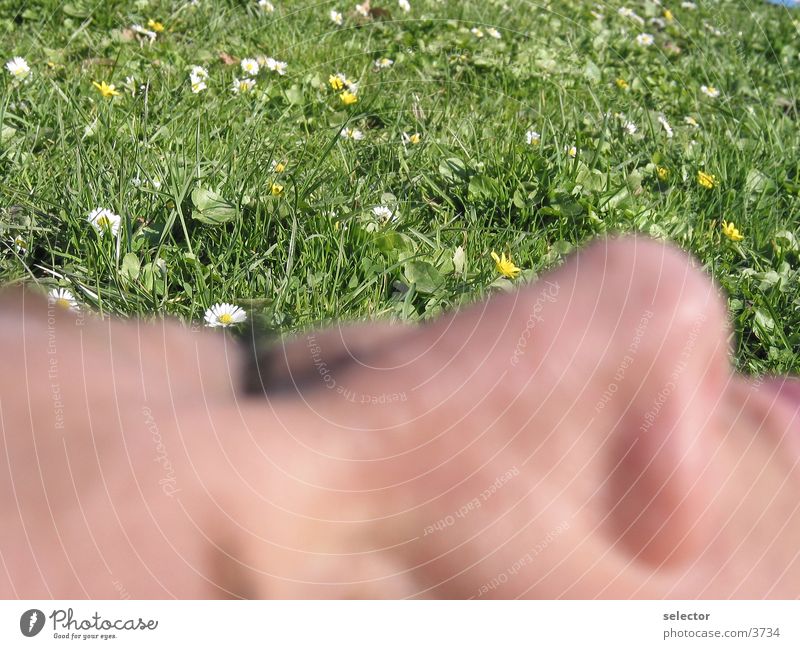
{"points": [[316, 251]]}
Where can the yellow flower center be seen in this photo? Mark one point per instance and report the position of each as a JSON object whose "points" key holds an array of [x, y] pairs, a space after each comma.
{"points": [[226, 319], [104, 222], [63, 303]]}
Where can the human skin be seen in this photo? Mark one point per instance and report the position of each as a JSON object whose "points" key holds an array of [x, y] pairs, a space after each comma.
{"points": [[582, 437]]}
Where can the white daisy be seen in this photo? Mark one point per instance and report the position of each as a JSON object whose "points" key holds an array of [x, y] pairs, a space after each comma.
{"points": [[19, 244], [18, 67], [104, 220], [276, 66], [198, 85], [363, 9], [630, 127], [199, 71], [625, 12], [645, 40], [147, 33], [266, 5], [665, 124], [351, 134], [383, 63], [571, 151], [383, 213], [224, 315], [710, 91], [691, 6], [249, 67], [63, 298], [242, 85], [493, 32], [532, 137], [197, 78], [658, 23], [404, 5], [691, 121], [336, 17], [414, 138], [477, 31]]}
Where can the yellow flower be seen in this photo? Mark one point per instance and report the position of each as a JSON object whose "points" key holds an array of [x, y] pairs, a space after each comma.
{"points": [[155, 25], [107, 90], [336, 82], [622, 84], [348, 98], [505, 266], [668, 15], [662, 172], [276, 189], [279, 167], [731, 231], [706, 180]]}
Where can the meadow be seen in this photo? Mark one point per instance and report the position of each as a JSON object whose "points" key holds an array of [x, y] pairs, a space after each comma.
{"points": [[308, 162]]}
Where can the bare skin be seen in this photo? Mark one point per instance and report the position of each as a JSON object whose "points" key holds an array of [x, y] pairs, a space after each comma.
{"points": [[584, 437]]}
